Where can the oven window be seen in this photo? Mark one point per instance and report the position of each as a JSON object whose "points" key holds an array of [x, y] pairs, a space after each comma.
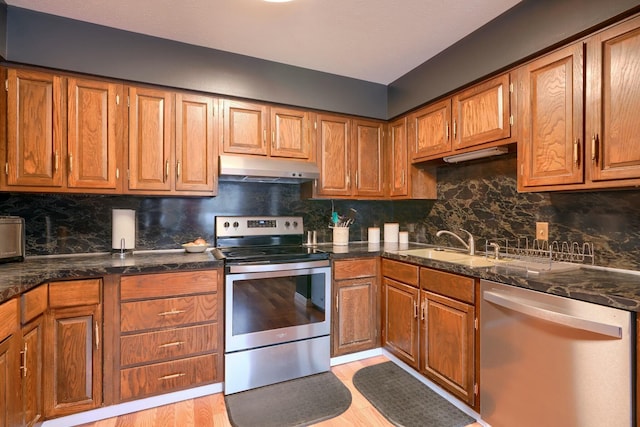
{"points": [[279, 302]]}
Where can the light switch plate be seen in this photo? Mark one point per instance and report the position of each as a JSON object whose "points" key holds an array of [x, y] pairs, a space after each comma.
{"points": [[542, 230]]}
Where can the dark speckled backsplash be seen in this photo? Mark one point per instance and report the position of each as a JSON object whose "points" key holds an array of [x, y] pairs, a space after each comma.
{"points": [[479, 196]]}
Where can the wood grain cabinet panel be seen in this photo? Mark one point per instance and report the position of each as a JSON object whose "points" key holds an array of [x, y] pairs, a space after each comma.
{"points": [[430, 130], [35, 129], [150, 139], [398, 159], [613, 102], [10, 405], [355, 302], [290, 135], [168, 376], [167, 312], [245, 127], [368, 158], [32, 364], [332, 137], [93, 133], [447, 344], [481, 113], [551, 112], [400, 323]]}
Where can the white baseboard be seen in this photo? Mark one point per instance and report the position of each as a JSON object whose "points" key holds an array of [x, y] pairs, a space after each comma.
{"points": [[134, 406], [355, 356]]}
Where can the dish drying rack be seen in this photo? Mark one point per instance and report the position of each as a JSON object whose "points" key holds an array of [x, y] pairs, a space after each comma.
{"points": [[542, 255]]}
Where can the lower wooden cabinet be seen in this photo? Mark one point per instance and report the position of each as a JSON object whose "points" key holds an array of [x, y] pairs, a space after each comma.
{"points": [[429, 322], [169, 333], [355, 302], [400, 300], [73, 348], [9, 365]]}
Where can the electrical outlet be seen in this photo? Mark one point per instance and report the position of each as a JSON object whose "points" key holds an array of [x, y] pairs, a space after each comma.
{"points": [[542, 230]]}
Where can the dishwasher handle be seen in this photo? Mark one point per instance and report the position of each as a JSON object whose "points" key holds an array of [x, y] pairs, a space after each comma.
{"points": [[529, 308]]}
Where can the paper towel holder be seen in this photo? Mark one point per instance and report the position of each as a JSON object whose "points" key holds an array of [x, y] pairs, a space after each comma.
{"points": [[123, 233]]}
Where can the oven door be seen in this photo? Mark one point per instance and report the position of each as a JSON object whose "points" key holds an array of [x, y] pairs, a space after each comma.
{"points": [[288, 302]]}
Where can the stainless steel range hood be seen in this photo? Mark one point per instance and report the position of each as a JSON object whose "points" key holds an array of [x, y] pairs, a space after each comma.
{"points": [[261, 169]]}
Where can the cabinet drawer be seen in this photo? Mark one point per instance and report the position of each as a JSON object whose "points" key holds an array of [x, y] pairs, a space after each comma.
{"points": [[74, 293], [168, 284], [8, 318], [451, 285], [169, 376], [355, 268], [168, 312], [33, 303], [168, 344], [400, 271]]}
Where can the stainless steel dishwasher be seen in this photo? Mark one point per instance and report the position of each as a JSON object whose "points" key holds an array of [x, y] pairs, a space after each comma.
{"points": [[550, 361]]}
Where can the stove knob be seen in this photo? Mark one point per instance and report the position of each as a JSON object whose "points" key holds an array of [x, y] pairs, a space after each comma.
{"points": [[226, 224], [236, 224], [295, 224], [287, 224]]}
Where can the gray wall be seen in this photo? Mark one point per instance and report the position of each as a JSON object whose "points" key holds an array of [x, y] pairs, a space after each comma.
{"points": [[51, 41], [528, 28]]}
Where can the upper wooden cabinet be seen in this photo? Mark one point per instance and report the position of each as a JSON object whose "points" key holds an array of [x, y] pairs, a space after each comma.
{"points": [[613, 105], [430, 130], [560, 150], [171, 143], [35, 129], [94, 134], [550, 150], [259, 129], [350, 156], [475, 116], [481, 113]]}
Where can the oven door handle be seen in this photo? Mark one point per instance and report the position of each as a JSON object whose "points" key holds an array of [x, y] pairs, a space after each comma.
{"points": [[259, 268]]}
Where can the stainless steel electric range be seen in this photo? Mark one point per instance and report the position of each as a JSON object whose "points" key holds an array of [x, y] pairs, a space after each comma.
{"points": [[277, 301]]}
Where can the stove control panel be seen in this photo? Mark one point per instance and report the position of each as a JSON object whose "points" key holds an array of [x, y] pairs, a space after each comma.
{"points": [[235, 226]]}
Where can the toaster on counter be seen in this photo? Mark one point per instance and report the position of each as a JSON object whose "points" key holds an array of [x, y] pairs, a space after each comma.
{"points": [[12, 236]]}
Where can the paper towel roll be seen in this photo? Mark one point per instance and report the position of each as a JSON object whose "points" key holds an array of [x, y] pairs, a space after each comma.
{"points": [[374, 235], [391, 232], [123, 226]]}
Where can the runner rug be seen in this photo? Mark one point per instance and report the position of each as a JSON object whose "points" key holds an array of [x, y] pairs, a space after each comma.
{"points": [[404, 400], [298, 402]]}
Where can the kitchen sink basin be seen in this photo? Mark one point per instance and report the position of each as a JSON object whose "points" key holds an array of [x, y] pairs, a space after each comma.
{"points": [[473, 261]]}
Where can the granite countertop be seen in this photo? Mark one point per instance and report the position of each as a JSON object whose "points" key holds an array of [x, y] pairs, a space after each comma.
{"points": [[18, 277], [612, 288]]}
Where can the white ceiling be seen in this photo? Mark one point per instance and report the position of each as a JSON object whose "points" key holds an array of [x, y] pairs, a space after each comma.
{"points": [[372, 40]]}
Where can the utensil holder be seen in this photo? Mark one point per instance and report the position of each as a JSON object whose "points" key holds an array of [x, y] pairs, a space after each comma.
{"points": [[341, 236]]}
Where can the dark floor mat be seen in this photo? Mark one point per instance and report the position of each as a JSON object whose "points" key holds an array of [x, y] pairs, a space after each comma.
{"points": [[298, 402], [404, 400]]}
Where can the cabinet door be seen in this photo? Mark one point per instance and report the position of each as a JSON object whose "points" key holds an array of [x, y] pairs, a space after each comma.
{"points": [[290, 133], [73, 356], [398, 158], [551, 109], [368, 158], [150, 139], [354, 326], [245, 128], [400, 320], [481, 113], [447, 344], [34, 129], [613, 96], [93, 133], [31, 370], [195, 148], [429, 130], [333, 147], [9, 378]]}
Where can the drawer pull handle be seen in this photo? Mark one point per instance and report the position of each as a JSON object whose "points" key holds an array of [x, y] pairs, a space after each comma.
{"points": [[171, 313], [171, 344], [172, 376]]}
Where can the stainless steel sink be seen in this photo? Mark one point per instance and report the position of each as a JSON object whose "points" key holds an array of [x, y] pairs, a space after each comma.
{"points": [[473, 261]]}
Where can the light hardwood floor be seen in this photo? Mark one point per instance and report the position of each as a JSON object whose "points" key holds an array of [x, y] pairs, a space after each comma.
{"points": [[210, 410]]}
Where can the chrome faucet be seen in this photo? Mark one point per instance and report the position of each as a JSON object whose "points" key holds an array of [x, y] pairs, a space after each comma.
{"points": [[470, 245]]}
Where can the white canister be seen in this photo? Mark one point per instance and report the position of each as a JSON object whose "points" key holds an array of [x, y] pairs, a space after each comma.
{"points": [[340, 236], [403, 237], [374, 235], [391, 230], [123, 229]]}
